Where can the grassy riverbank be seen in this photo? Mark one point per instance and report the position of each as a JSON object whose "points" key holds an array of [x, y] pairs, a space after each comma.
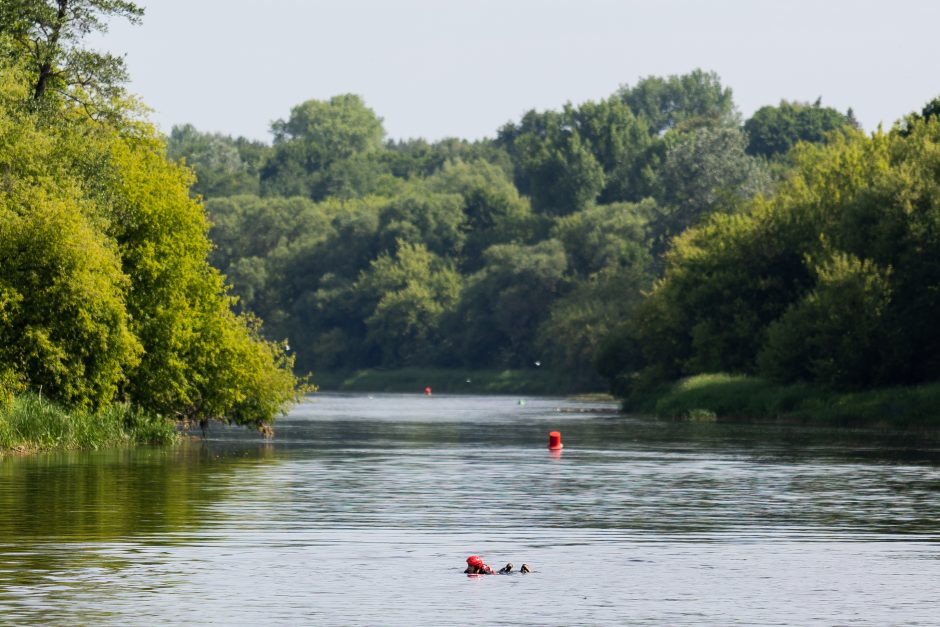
{"points": [[442, 381], [30, 423], [720, 396]]}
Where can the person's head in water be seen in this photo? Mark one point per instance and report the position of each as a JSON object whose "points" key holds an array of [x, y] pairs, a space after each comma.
{"points": [[475, 566]]}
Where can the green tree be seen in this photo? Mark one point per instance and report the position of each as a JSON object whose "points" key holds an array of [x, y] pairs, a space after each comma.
{"points": [[418, 158], [325, 148], [494, 212], [570, 339], [688, 99], [704, 171], [45, 35], [554, 166], [827, 280], [930, 110], [105, 286], [505, 302], [434, 220], [620, 143], [774, 131], [837, 334], [606, 236], [65, 325], [411, 292], [216, 160]]}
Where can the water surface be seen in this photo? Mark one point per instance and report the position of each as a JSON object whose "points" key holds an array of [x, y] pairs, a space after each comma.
{"points": [[364, 508]]}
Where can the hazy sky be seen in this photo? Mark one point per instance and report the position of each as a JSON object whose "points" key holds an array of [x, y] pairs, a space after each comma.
{"points": [[463, 68]]}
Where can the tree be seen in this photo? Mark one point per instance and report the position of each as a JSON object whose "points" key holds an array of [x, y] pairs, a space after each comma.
{"points": [[606, 236], [494, 212], [704, 171], [216, 160], [411, 292], [837, 334], [505, 302], [930, 110], [619, 141], [554, 166], [687, 99], [64, 323], [64, 320], [773, 131], [570, 338], [325, 147], [434, 220], [45, 37]]}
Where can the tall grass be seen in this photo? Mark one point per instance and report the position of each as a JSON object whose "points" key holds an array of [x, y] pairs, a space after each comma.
{"points": [[31, 423], [742, 397]]}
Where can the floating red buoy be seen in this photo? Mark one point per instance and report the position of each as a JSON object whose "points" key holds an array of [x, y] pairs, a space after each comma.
{"points": [[427, 391], [554, 441]]}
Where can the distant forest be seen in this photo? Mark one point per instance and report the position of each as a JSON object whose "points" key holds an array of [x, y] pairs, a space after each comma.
{"points": [[638, 239]]}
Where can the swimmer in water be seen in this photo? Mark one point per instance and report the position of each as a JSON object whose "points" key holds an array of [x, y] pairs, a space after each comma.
{"points": [[475, 566]]}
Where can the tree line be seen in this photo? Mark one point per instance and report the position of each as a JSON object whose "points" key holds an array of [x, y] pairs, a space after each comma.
{"points": [[830, 279], [533, 247]]}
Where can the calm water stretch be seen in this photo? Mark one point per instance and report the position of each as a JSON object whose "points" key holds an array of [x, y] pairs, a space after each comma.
{"points": [[363, 510]]}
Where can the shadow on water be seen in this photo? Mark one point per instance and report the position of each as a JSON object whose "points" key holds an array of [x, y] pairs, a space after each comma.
{"points": [[117, 493]]}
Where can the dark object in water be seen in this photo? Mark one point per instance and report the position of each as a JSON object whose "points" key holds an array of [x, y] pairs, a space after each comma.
{"points": [[505, 570], [524, 569]]}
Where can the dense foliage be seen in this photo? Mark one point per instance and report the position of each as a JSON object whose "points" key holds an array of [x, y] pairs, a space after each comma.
{"points": [[832, 280], [773, 131], [650, 235], [106, 293], [524, 251]]}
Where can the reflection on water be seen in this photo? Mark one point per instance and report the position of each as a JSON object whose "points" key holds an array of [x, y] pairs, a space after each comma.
{"points": [[363, 509]]}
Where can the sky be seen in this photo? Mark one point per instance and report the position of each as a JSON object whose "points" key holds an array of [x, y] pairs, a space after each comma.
{"points": [[464, 68]]}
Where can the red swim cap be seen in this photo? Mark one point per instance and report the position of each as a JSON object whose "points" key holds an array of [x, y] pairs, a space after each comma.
{"points": [[475, 560]]}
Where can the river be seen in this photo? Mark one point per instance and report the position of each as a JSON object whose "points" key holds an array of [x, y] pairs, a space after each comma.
{"points": [[364, 508]]}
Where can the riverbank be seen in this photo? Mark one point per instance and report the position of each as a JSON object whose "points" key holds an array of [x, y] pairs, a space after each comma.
{"points": [[455, 381], [728, 397], [31, 424]]}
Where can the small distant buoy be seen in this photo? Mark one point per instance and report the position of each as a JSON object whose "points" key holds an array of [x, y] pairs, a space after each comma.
{"points": [[521, 401], [554, 441], [537, 364], [427, 391]]}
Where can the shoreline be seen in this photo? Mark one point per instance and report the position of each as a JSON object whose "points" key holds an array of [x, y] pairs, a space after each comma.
{"points": [[456, 381], [739, 398]]}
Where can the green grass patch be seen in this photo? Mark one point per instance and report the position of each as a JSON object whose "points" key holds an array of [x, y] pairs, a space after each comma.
{"points": [[749, 398], [31, 423], [450, 381]]}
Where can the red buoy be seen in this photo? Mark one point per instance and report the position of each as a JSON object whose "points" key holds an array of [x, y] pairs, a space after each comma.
{"points": [[427, 391], [554, 441]]}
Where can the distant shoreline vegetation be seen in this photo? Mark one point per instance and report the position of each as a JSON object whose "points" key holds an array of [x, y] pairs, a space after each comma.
{"points": [[456, 381], [721, 397]]}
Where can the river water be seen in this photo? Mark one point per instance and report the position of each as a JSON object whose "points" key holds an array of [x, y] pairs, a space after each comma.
{"points": [[363, 510]]}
